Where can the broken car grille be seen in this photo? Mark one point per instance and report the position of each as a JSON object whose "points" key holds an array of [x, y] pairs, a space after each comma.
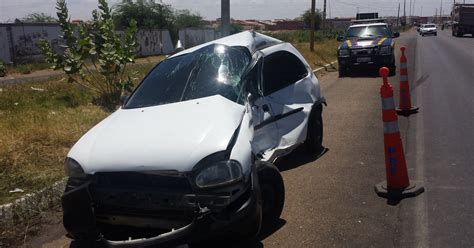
{"points": [[145, 180]]}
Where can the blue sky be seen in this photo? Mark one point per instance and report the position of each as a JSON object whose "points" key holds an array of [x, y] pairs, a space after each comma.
{"points": [[240, 9]]}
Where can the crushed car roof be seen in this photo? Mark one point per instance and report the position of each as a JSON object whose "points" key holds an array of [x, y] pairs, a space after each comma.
{"points": [[252, 40]]}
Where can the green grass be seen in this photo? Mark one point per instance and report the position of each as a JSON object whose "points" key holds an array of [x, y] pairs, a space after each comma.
{"points": [[28, 68], [325, 44], [324, 52]]}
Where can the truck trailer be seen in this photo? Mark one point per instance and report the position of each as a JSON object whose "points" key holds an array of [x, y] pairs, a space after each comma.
{"points": [[463, 19]]}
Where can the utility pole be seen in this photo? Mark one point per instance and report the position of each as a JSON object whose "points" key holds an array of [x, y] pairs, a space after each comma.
{"points": [[410, 12], [311, 33], [414, 9], [324, 14], [441, 10], [398, 16], [225, 17], [404, 12]]}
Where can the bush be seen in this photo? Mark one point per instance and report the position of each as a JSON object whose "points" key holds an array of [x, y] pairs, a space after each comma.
{"points": [[3, 69], [98, 57]]}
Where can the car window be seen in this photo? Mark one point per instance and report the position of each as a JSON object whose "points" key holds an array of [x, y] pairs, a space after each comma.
{"points": [[212, 70], [280, 70], [369, 31], [430, 26]]}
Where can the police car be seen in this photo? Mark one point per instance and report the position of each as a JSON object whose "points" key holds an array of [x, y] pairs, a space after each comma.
{"points": [[370, 43]]}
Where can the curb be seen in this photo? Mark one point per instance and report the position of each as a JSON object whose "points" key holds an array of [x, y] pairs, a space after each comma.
{"points": [[325, 67], [32, 204]]}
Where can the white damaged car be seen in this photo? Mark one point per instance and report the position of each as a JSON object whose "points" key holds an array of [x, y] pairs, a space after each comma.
{"points": [[188, 157]]}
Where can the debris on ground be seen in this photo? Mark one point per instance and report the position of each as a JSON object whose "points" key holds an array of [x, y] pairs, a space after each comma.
{"points": [[17, 190], [37, 89]]}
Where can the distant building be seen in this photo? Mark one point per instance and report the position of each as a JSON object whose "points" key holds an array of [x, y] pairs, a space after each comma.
{"points": [[338, 23], [285, 25], [250, 24]]}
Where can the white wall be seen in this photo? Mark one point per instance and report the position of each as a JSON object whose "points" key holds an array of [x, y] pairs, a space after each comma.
{"points": [[25, 37], [190, 37]]}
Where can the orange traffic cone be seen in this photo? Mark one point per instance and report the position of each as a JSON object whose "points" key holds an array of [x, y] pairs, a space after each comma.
{"points": [[405, 108], [397, 185]]}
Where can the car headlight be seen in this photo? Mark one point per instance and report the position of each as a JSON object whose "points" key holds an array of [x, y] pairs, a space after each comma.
{"points": [[220, 173], [385, 50], [73, 169], [344, 52]]}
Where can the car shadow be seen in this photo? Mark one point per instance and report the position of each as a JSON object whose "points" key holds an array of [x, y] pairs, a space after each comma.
{"points": [[300, 156], [249, 243], [264, 233]]}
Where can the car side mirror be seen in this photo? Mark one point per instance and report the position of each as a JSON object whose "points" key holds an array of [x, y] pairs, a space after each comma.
{"points": [[340, 38], [396, 35], [124, 99]]}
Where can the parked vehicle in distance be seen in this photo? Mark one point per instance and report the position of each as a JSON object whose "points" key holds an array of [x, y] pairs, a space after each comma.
{"points": [[188, 157], [428, 29], [463, 16], [367, 44]]}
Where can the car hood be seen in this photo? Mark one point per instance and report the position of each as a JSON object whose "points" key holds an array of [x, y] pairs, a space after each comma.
{"points": [[365, 42], [166, 137]]}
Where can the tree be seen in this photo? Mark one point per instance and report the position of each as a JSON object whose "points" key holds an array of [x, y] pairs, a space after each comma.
{"points": [[95, 56], [147, 14], [38, 17], [186, 19], [307, 19]]}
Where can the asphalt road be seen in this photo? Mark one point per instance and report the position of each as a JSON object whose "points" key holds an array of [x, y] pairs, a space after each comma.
{"points": [[331, 200]]}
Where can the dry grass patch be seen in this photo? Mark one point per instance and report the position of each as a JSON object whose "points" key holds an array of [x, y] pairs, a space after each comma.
{"points": [[324, 52], [39, 122]]}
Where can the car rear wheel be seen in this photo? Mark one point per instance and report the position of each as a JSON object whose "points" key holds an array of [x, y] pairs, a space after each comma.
{"points": [[314, 136], [273, 192]]}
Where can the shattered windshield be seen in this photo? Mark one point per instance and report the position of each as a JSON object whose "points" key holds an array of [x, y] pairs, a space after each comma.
{"points": [[369, 31], [212, 70]]}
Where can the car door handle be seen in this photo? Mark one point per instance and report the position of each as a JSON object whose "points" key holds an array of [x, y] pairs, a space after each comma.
{"points": [[265, 108]]}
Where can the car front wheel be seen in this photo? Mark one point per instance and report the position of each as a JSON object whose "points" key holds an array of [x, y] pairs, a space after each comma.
{"points": [[272, 189]]}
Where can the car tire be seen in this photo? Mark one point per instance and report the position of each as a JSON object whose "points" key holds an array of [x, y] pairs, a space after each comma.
{"points": [[393, 70], [314, 135], [342, 71], [272, 189]]}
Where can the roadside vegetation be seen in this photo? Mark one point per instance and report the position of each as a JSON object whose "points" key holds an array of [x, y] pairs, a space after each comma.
{"points": [[40, 122], [325, 44]]}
